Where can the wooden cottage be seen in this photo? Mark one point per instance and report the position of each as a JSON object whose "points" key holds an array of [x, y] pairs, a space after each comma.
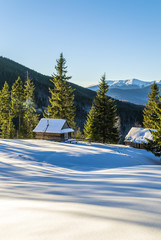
{"points": [[137, 137], [53, 129]]}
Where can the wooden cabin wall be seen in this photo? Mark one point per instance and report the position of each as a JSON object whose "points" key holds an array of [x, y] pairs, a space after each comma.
{"points": [[135, 145], [50, 136]]}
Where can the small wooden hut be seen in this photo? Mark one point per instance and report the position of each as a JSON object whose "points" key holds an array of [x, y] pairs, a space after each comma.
{"points": [[137, 137], [53, 129]]}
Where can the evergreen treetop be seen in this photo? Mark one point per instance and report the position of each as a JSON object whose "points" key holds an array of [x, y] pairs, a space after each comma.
{"points": [[61, 69], [17, 96]]}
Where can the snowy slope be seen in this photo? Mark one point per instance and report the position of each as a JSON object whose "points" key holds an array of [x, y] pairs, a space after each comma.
{"points": [[60, 191]]}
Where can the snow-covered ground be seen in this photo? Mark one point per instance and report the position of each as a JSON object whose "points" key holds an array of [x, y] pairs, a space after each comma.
{"points": [[58, 191]]}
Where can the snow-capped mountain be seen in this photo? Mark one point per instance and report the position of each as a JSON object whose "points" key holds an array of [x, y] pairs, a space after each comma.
{"points": [[129, 83], [130, 90]]}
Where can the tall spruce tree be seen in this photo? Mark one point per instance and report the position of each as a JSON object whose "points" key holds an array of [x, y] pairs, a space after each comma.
{"points": [[113, 135], [5, 102], [11, 127], [30, 117], [101, 121], [7, 127], [62, 97], [90, 130], [152, 119], [17, 101], [149, 113], [155, 145]]}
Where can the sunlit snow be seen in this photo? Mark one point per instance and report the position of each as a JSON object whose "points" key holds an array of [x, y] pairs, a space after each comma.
{"points": [[63, 191]]}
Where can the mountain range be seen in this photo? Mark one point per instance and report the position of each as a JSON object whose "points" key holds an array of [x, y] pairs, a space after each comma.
{"points": [[130, 90], [129, 114]]}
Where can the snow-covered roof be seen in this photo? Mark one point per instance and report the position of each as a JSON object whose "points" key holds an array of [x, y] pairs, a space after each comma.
{"points": [[50, 125], [139, 135]]}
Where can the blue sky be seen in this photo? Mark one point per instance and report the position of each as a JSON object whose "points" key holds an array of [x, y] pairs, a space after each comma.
{"points": [[121, 38]]}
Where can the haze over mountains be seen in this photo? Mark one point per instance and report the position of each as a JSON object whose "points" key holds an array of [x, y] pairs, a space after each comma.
{"points": [[130, 90]]}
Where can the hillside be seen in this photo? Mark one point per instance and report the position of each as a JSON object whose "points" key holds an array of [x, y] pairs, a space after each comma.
{"points": [[130, 114], [10, 70], [136, 96]]}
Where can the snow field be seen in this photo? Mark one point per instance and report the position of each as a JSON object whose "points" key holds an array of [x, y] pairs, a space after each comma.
{"points": [[61, 191]]}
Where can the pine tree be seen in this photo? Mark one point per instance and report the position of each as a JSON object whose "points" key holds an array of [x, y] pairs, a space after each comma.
{"points": [[17, 101], [90, 129], [149, 113], [155, 145], [78, 134], [4, 129], [101, 120], [113, 134], [152, 120], [62, 97], [7, 127], [5, 102], [30, 117], [11, 128]]}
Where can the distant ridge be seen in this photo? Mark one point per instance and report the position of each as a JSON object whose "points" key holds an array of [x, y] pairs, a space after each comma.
{"points": [[130, 90]]}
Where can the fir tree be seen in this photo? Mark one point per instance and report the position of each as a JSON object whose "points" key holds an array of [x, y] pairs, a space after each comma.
{"points": [[90, 130], [101, 120], [152, 119], [113, 133], [155, 145], [11, 128], [17, 101], [62, 97], [5, 103], [78, 134], [149, 113], [4, 129], [30, 117], [7, 127]]}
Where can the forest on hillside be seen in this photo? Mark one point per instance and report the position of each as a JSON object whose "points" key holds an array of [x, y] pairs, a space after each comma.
{"points": [[129, 114]]}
